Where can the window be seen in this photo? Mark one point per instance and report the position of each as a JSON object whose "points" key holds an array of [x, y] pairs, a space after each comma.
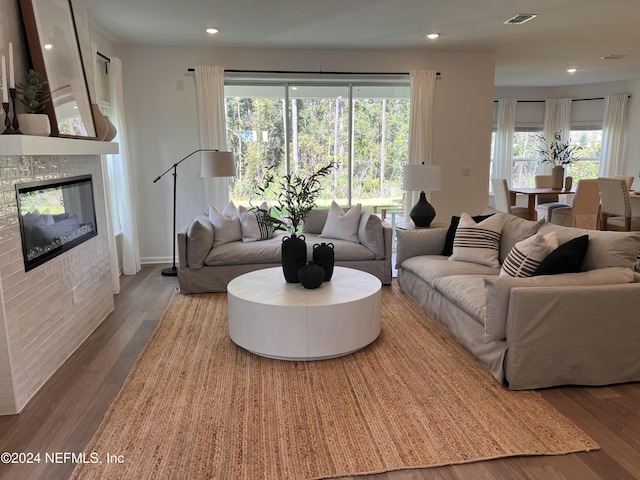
{"points": [[526, 163], [590, 139], [298, 126]]}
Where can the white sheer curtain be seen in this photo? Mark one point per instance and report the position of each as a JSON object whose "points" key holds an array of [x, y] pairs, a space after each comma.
{"points": [[557, 117], [503, 149], [213, 126], [613, 132], [125, 202], [423, 86]]}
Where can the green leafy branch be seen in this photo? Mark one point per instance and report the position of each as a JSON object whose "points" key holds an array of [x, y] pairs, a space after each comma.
{"points": [[296, 197]]}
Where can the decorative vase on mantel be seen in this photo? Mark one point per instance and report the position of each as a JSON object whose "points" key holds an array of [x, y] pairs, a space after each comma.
{"points": [[34, 124], [294, 253], [557, 177]]}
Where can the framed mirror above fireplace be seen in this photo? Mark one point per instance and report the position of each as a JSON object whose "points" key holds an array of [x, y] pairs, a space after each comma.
{"points": [[55, 52]]}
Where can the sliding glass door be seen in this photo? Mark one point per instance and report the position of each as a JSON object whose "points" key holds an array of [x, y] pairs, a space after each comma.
{"points": [[298, 126]]}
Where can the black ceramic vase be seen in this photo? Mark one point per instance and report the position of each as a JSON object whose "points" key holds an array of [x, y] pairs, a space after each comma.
{"points": [[323, 253], [294, 252], [311, 274]]}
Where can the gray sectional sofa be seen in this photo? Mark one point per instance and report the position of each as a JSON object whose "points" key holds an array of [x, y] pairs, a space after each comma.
{"points": [[205, 268], [572, 328]]}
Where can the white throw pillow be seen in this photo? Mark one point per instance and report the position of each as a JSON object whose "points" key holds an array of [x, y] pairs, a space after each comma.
{"points": [[525, 256], [253, 225], [226, 224], [478, 242], [341, 225]]}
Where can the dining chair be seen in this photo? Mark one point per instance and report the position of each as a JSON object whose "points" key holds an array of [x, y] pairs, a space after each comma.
{"points": [[546, 203], [584, 211], [502, 199], [615, 206], [628, 178]]}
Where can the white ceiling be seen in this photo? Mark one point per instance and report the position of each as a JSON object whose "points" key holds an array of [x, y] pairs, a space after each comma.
{"points": [[566, 33]]}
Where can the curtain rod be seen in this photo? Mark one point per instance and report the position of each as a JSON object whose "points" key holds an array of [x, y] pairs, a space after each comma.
{"points": [[297, 72], [573, 100], [107, 61]]}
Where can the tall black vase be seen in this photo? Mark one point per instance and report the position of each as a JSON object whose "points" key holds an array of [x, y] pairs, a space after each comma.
{"points": [[323, 253], [294, 252]]}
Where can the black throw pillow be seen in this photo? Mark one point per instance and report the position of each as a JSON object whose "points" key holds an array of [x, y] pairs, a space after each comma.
{"points": [[567, 258], [447, 251]]}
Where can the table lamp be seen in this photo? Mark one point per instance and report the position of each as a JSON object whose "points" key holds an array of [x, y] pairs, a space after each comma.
{"points": [[421, 178], [213, 163]]}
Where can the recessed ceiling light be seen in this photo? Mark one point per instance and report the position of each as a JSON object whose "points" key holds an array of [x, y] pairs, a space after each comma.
{"points": [[212, 31], [613, 56], [572, 70], [432, 36], [48, 46]]}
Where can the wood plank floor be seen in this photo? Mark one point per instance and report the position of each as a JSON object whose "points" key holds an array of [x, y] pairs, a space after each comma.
{"points": [[64, 415]]}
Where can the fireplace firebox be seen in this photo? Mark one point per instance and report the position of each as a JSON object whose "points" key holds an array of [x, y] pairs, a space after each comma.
{"points": [[55, 216]]}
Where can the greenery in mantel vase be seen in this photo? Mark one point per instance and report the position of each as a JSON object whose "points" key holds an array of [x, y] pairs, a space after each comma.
{"points": [[295, 197], [34, 92], [556, 151]]}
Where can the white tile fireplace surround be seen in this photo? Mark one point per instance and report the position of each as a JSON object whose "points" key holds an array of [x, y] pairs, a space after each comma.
{"points": [[48, 312]]}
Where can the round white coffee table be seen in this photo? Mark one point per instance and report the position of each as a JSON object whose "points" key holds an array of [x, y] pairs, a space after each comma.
{"points": [[276, 319]]}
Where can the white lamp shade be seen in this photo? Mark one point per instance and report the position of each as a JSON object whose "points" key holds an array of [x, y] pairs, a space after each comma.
{"points": [[217, 164], [422, 178]]}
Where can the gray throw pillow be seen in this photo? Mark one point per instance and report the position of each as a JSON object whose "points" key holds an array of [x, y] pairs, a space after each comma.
{"points": [[371, 234], [226, 224], [199, 241]]}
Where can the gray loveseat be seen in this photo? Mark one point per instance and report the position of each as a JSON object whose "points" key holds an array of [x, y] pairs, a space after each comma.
{"points": [[573, 328], [205, 268]]}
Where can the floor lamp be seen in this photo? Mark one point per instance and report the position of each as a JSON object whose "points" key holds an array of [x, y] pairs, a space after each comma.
{"points": [[421, 178], [213, 164]]}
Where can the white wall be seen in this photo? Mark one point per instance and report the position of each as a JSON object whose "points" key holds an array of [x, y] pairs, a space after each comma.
{"points": [[161, 111]]}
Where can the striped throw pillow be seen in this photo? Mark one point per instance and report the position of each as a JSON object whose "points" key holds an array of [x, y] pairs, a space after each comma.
{"points": [[525, 256], [478, 242]]}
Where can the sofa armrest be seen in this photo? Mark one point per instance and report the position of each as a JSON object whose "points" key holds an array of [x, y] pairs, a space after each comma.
{"points": [[586, 335], [387, 235], [182, 247], [426, 241]]}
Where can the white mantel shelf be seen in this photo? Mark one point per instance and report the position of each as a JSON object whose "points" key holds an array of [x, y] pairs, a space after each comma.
{"points": [[33, 145]]}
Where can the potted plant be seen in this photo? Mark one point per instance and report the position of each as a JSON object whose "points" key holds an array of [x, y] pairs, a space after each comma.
{"points": [[559, 153], [296, 195], [34, 95]]}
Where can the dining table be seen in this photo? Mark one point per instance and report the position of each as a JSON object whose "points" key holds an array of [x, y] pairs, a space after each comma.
{"points": [[533, 192]]}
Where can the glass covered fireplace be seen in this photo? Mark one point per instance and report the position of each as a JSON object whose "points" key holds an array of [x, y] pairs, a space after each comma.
{"points": [[55, 216]]}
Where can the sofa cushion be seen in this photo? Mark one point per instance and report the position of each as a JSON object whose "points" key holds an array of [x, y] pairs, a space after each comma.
{"points": [[498, 292], [451, 232], [371, 233], [269, 251], [466, 291], [199, 241], [315, 220], [478, 242], [606, 249], [342, 225], [525, 257], [431, 267], [226, 224], [253, 224], [567, 258]]}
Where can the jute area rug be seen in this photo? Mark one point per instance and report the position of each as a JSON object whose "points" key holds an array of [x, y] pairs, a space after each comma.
{"points": [[196, 406]]}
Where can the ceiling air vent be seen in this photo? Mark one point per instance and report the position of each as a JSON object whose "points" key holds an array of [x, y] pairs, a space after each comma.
{"points": [[520, 19]]}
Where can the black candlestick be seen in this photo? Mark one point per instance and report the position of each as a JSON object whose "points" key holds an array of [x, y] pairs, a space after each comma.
{"points": [[16, 125], [11, 127]]}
